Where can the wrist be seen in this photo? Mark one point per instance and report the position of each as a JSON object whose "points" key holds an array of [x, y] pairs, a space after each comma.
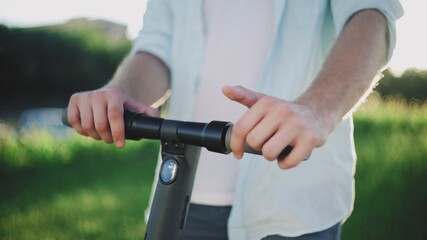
{"points": [[327, 113]]}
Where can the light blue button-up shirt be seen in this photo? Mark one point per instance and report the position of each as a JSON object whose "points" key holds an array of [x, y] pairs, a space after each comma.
{"points": [[318, 193]]}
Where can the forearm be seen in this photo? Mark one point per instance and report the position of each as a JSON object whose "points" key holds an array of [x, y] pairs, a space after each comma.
{"points": [[349, 72], [143, 77]]}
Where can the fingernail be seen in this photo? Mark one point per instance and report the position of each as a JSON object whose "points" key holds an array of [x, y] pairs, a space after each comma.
{"points": [[119, 143], [237, 156], [239, 90]]}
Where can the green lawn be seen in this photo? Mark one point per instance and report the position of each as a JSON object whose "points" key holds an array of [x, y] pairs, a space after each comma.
{"points": [[391, 176], [82, 189]]}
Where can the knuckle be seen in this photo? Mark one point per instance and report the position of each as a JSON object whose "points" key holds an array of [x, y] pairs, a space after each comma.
{"points": [[87, 126], [73, 120], [285, 110], [96, 94], [266, 100], [114, 113], [90, 95], [239, 129], [268, 154], [102, 126], [298, 123], [112, 93], [253, 141], [311, 139], [100, 94], [75, 97], [287, 164]]}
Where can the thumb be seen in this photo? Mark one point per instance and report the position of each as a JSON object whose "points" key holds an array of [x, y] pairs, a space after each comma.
{"points": [[241, 95], [136, 106]]}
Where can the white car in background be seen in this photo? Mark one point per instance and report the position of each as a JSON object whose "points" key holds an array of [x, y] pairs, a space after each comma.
{"points": [[44, 119]]}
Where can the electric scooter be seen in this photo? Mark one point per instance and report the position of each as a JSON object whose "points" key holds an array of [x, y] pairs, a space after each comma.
{"points": [[181, 143]]}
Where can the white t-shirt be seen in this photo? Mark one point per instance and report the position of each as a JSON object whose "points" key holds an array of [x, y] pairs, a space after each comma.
{"points": [[228, 61]]}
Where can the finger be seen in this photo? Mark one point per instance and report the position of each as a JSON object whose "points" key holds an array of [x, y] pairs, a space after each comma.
{"points": [[241, 95], [243, 127], [102, 125], [261, 133], [152, 112], [138, 107], [299, 152], [115, 117], [87, 123], [142, 108], [73, 114], [278, 142]]}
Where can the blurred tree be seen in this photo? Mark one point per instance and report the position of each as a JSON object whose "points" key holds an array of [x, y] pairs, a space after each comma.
{"points": [[43, 66], [411, 85]]}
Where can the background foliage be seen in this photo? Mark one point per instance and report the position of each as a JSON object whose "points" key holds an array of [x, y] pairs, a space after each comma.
{"points": [[411, 85], [43, 67]]}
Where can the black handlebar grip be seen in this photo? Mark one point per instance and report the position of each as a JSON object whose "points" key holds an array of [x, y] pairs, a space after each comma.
{"points": [[248, 149], [64, 117], [139, 125]]}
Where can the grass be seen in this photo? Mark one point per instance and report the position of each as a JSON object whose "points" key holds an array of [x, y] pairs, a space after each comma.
{"points": [[82, 189], [391, 193]]}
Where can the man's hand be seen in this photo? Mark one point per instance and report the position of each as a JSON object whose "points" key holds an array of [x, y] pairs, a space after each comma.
{"points": [[271, 124], [99, 114], [140, 81]]}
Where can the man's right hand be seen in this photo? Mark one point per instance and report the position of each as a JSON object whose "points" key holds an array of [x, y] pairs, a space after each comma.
{"points": [[99, 114]]}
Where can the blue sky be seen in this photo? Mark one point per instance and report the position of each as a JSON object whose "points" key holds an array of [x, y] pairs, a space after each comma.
{"points": [[410, 52]]}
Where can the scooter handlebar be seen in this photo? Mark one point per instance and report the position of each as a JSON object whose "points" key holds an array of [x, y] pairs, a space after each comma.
{"points": [[215, 136]]}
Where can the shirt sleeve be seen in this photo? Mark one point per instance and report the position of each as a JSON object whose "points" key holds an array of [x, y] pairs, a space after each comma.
{"points": [[155, 35], [342, 10]]}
